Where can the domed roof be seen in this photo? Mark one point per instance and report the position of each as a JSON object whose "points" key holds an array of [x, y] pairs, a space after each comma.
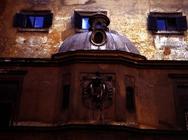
{"points": [[114, 41]]}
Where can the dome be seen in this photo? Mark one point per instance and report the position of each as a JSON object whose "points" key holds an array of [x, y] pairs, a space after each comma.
{"points": [[82, 41]]}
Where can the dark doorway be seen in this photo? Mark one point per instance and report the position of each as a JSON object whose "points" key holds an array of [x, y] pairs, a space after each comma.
{"points": [[8, 96], [182, 105], [5, 115]]}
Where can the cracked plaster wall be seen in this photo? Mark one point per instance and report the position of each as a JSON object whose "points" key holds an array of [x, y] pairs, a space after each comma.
{"points": [[128, 17]]}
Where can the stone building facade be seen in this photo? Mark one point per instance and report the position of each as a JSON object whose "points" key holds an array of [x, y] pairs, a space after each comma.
{"points": [[58, 81]]}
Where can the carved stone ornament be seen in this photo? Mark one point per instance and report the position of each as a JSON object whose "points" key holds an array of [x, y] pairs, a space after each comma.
{"points": [[97, 91]]}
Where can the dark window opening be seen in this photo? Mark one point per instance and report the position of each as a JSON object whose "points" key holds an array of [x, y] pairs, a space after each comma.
{"points": [[167, 22], [130, 99], [33, 20], [171, 24], [66, 94]]}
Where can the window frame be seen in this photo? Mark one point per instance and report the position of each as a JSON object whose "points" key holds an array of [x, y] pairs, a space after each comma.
{"points": [[21, 20], [80, 14], [175, 23]]}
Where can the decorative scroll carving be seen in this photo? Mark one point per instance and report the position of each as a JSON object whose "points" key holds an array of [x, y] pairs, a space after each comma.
{"points": [[97, 91]]}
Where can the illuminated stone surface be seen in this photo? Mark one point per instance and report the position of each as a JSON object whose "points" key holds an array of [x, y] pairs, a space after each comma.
{"points": [[128, 18]]}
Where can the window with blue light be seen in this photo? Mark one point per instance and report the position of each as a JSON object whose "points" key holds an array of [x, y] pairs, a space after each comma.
{"points": [[161, 24], [39, 22], [83, 18], [33, 20], [85, 23], [167, 22]]}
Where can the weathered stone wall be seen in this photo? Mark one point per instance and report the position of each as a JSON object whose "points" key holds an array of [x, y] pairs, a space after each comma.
{"points": [[128, 17]]}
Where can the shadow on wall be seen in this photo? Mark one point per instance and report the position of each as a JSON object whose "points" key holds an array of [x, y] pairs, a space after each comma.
{"points": [[77, 2], [2, 6]]}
